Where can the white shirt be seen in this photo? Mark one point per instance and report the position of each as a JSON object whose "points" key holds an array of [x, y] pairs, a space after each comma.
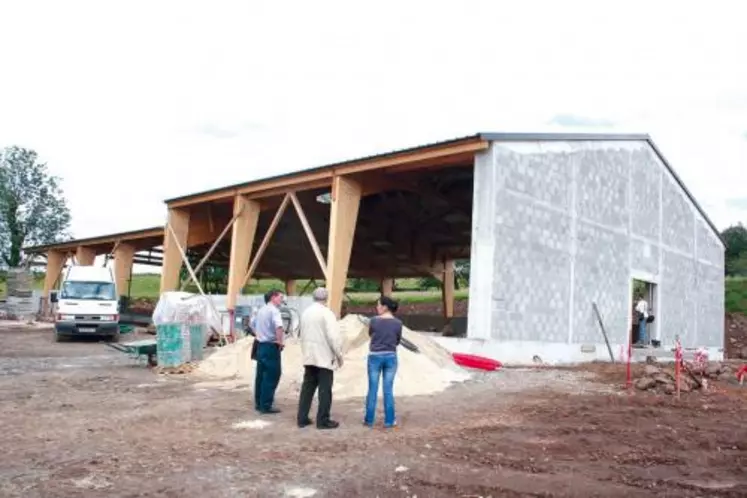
{"points": [[642, 308], [321, 340], [266, 323]]}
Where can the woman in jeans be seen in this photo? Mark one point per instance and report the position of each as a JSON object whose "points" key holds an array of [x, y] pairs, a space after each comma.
{"points": [[386, 333]]}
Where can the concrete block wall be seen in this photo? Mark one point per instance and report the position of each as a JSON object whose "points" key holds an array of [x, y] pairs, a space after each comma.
{"points": [[558, 225]]}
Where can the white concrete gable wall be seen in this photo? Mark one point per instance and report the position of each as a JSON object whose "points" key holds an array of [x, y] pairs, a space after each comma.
{"points": [[558, 225]]}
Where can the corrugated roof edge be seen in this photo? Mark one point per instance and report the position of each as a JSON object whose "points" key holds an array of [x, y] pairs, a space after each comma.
{"points": [[518, 137], [36, 249], [326, 166]]}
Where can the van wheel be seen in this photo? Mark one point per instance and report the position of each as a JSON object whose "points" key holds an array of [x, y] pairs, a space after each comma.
{"points": [[59, 338], [113, 338]]}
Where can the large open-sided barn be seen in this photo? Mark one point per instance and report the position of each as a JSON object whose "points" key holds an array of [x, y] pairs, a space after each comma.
{"points": [[553, 223]]}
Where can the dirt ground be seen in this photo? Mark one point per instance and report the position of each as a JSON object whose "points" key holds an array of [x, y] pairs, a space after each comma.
{"points": [[78, 419], [735, 344]]}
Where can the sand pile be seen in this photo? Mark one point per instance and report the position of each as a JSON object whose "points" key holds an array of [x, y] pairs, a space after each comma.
{"points": [[430, 371]]}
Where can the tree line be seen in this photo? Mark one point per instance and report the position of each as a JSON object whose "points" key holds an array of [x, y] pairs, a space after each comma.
{"points": [[33, 210]]}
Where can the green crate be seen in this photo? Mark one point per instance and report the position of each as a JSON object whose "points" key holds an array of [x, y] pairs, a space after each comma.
{"points": [[173, 346], [196, 335]]}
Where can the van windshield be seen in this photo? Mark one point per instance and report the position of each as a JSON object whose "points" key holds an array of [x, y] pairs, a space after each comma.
{"points": [[100, 291]]}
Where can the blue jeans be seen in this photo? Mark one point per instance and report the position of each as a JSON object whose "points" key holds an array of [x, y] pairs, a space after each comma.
{"points": [[267, 375], [381, 365], [642, 331]]}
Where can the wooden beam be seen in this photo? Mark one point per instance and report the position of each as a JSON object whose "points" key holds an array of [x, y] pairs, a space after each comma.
{"points": [[85, 255], [178, 220], [459, 159], [309, 233], [421, 157], [447, 289], [211, 223], [212, 248], [266, 240], [291, 288], [387, 286], [103, 240], [55, 264], [246, 213], [124, 255], [346, 196]]}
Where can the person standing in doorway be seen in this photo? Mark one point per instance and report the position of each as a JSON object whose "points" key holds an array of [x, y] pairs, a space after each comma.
{"points": [[321, 347], [269, 334], [386, 333], [641, 309]]}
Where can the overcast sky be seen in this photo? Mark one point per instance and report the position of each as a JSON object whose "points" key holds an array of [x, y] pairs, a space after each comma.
{"points": [[148, 100]]}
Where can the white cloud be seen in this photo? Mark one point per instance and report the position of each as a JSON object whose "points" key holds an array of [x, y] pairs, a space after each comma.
{"points": [[148, 100]]}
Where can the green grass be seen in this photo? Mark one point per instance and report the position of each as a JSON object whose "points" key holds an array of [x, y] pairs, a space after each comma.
{"points": [[147, 286], [736, 295]]}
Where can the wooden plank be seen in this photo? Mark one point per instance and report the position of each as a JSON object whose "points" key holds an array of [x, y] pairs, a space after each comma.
{"points": [[447, 289], [85, 255], [213, 247], [299, 181], [346, 196], [246, 213], [309, 233], [178, 220], [174, 238], [124, 255], [266, 240], [211, 222], [55, 264], [458, 160], [98, 241], [387, 286], [291, 289]]}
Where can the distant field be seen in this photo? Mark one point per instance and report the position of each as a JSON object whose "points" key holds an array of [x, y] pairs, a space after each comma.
{"points": [[147, 286]]}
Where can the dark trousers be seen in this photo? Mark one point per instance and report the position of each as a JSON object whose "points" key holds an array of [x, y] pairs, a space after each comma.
{"points": [[267, 375], [313, 378]]}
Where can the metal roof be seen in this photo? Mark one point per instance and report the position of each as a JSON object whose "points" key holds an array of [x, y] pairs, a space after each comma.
{"points": [[99, 239], [328, 166], [492, 137]]}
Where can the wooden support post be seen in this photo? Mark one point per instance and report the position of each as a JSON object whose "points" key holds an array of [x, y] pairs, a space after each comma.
{"points": [[346, 196], [387, 286], [55, 265], [266, 239], [310, 233], [242, 239], [447, 289], [123, 256], [210, 251], [172, 259], [290, 288], [85, 256]]}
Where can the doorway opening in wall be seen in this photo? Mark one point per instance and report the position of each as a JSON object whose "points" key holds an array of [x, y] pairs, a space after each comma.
{"points": [[645, 327]]}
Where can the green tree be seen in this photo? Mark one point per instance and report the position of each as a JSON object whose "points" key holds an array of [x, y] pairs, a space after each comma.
{"points": [[736, 249], [32, 207]]}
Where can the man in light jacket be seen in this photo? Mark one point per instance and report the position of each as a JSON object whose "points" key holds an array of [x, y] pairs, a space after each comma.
{"points": [[321, 346]]}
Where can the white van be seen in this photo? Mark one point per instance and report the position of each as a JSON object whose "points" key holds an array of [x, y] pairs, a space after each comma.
{"points": [[87, 304]]}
